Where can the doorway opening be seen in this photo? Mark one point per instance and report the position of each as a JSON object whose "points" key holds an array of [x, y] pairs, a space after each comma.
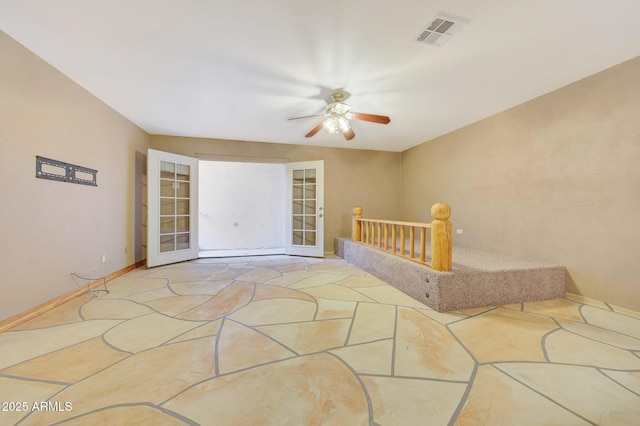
{"points": [[242, 208]]}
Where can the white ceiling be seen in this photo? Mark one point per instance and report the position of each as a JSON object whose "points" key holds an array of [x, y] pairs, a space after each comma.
{"points": [[239, 69]]}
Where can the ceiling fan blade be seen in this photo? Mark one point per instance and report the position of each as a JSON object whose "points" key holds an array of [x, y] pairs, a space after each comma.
{"points": [[306, 116], [314, 131], [382, 119], [349, 134]]}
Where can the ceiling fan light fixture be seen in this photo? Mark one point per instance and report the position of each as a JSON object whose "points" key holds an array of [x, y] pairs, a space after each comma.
{"points": [[338, 108], [336, 124], [343, 124], [337, 118], [330, 125]]}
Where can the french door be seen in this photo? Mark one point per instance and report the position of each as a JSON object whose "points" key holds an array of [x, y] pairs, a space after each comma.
{"points": [[172, 203], [305, 209]]}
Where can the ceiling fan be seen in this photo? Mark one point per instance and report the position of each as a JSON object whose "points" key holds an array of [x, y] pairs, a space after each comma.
{"points": [[337, 116]]}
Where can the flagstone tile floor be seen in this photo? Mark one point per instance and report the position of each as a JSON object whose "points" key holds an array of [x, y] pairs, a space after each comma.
{"points": [[281, 340]]}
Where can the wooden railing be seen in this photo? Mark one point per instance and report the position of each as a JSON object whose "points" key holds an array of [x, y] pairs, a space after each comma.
{"points": [[391, 236]]}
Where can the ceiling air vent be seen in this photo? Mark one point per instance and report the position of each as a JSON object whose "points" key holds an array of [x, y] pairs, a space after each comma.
{"points": [[440, 29]]}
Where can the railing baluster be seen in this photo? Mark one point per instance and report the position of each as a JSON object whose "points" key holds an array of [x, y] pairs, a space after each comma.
{"points": [[393, 238], [412, 241], [423, 243], [385, 245], [373, 234], [402, 237], [365, 231]]}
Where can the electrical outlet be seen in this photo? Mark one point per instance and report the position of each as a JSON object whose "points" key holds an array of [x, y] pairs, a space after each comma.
{"points": [[458, 231], [126, 250], [104, 258]]}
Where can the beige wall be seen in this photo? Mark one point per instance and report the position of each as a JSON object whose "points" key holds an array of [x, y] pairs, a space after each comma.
{"points": [[555, 179], [368, 178], [50, 229]]}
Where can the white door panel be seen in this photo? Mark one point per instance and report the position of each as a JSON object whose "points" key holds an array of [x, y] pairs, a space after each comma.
{"points": [[172, 185], [305, 208]]}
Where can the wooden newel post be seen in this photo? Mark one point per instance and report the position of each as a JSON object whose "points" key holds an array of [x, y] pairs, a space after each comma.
{"points": [[441, 237], [356, 229]]}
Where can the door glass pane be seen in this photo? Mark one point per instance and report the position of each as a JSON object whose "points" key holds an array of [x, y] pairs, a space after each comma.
{"points": [[182, 241], [182, 224], [309, 191], [182, 189], [182, 172], [310, 222], [297, 222], [167, 206], [297, 207], [297, 191], [298, 177], [166, 188], [310, 238], [167, 224], [167, 243], [182, 206], [310, 207], [310, 176], [297, 238], [167, 170]]}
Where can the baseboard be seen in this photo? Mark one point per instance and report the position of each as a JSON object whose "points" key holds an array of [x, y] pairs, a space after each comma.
{"points": [[47, 306], [240, 252]]}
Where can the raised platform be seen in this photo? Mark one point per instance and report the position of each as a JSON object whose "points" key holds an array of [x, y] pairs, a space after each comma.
{"points": [[478, 279]]}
